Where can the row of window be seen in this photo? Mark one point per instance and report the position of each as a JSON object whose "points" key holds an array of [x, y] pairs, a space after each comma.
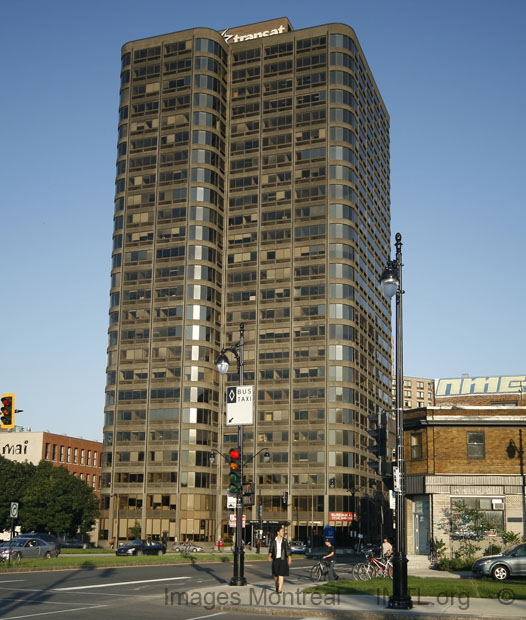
{"points": [[63, 454], [475, 445]]}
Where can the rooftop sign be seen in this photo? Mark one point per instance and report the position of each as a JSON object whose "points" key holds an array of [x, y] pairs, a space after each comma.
{"points": [[256, 31], [464, 386]]}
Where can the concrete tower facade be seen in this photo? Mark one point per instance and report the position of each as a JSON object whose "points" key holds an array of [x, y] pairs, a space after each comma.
{"points": [[252, 187]]}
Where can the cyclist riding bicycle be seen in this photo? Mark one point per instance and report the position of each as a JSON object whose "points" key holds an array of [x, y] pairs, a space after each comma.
{"points": [[329, 558]]}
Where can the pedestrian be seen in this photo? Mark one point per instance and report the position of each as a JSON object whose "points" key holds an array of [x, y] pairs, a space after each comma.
{"points": [[330, 557], [387, 549], [280, 556], [112, 543]]}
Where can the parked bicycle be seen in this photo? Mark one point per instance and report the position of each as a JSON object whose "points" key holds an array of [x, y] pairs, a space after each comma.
{"points": [[433, 552], [320, 571], [15, 557], [373, 567], [183, 548]]}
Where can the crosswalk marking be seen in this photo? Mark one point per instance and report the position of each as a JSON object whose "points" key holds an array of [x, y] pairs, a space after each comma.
{"points": [[120, 583]]}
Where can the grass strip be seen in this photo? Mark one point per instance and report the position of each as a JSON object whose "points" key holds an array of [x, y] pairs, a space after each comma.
{"points": [[80, 561], [428, 586]]}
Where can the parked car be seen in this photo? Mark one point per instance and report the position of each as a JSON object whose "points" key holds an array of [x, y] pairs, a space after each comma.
{"points": [[510, 563], [142, 547], [191, 548], [28, 548], [297, 546], [76, 544]]}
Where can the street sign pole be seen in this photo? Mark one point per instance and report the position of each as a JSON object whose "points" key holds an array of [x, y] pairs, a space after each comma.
{"points": [[14, 515]]}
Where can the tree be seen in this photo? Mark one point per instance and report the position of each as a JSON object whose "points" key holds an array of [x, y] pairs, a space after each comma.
{"points": [[56, 501], [135, 531], [50, 499], [14, 477]]}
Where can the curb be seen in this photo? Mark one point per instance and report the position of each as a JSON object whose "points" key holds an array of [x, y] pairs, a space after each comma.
{"points": [[414, 614]]}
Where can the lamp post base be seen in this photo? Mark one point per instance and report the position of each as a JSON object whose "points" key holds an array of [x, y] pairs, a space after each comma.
{"points": [[400, 598], [238, 581], [400, 603], [238, 578]]}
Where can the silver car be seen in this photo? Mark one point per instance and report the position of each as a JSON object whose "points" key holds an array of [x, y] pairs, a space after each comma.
{"points": [[28, 548], [510, 563]]}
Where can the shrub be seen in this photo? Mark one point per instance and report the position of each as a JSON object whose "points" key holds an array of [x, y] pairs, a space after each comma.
{"points": [[493, 549], [510, 538], [456, 563]]}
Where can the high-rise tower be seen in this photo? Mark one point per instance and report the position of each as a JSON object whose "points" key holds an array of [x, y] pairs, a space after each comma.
{"points": [[252, 186]]}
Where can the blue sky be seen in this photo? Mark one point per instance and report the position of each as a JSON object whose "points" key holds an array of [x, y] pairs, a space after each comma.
{"points": [[452, 74]]}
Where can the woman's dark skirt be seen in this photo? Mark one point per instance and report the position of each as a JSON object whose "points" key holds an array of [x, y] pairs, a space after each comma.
{"points": [[280, 568]]}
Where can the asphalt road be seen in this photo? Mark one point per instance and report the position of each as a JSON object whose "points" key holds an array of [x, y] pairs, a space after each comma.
{"points": [[128, 593]]}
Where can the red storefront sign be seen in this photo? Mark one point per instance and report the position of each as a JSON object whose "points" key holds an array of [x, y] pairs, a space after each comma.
{"points": [[342, 516]]}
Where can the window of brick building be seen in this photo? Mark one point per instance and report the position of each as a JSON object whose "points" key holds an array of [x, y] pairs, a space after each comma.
{"points": [[416, 446], [475, 443]]}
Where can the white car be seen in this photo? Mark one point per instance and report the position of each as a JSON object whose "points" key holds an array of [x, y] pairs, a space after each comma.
{"points": [[190, 548]]}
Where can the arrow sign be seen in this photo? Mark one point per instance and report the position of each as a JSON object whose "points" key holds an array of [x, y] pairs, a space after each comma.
{"points": [[240, 405]]}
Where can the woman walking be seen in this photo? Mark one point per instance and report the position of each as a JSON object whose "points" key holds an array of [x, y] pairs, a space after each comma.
{"points": [[279, 555]]}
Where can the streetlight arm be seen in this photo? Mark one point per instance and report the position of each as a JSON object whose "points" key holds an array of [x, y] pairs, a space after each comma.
{"points": [[253, 456], [212, 453]]}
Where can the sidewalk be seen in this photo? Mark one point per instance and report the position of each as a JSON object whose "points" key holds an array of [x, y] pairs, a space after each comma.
{"points": [[261, 598]]}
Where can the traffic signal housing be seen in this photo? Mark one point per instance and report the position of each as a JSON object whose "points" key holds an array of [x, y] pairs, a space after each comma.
{"points": [[249, 494], [235, 476], [381, 448], [379, 434], [285, 499], [8, 411]]}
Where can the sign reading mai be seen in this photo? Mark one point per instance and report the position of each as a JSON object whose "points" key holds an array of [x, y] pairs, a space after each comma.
{"points": [[237, 38]]}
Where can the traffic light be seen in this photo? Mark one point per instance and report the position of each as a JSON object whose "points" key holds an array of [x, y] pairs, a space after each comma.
{"points": [[249, 494], [285, 499], [332, 483], [8, 411], [387, 475], [236, 483], [379, 434]]}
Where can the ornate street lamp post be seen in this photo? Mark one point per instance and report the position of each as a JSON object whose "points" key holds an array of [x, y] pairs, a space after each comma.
{"points": [[222, 364], [391, 283]]}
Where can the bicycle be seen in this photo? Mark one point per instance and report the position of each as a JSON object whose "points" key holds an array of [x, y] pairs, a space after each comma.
{"points": [[183, 548], [15, 559], [320, 571], [373, 567], [432, 556]]}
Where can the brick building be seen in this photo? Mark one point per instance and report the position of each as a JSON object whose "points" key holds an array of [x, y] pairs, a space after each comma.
{"points": [[81, 457], [472, 453]]}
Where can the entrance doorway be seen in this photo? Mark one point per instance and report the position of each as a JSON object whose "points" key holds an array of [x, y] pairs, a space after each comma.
{"points": [[421, 524]]}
